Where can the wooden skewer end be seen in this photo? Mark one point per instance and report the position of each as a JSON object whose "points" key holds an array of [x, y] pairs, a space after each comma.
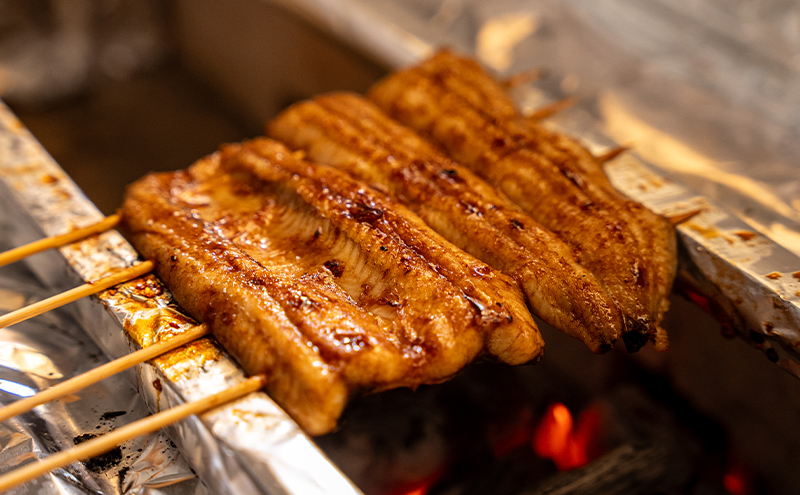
{"points": [[21, 252]]}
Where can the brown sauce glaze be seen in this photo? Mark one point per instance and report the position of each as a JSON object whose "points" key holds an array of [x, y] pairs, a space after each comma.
{"points": [[305, 275]]}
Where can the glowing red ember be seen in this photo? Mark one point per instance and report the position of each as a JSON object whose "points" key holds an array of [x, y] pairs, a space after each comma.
{"points": [[418, 491], [737, 480], [419, 488], [506, 436], [557, 438]]}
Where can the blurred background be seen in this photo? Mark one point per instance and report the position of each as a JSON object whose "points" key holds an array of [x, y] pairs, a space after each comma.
{"points": [[99, 83], [105, 87]]}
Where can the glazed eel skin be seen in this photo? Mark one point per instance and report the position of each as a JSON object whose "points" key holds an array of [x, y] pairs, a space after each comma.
{"points": [[323, 284], [349, 132], [630, 250]]}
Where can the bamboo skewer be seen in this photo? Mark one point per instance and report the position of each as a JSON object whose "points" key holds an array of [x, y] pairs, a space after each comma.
{"points": [[548, 111], [610, 155], [82, 381], [523, 77], [108, 441], [678, 219], [71, 295], [17, 254]]}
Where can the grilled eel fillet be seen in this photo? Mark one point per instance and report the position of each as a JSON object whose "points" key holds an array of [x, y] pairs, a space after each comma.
{"points": [[352, 134], [319, 282], [630, 250]]}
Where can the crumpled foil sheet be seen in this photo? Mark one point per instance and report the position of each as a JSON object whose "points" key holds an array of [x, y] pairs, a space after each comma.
{"points": [[43, 351], [707, 95], [248, 446], [758, 277]]}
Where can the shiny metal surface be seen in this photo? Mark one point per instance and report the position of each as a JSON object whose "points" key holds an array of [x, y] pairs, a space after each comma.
{"points": [[43, 351]]}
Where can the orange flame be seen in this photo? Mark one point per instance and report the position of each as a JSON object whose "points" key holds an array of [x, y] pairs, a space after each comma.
{"points": [[557, 438]]}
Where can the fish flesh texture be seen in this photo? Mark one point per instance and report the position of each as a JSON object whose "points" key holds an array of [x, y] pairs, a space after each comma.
{"points": [[321, 283], [631, 251], [349, 132]]}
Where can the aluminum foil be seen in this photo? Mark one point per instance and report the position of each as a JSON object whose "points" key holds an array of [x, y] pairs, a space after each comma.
{"points": [[249, 446], [41, 352], [757, 277]]}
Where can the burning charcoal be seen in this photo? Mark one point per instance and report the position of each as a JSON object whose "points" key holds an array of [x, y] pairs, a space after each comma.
{"points": [[629, 470], [394, 442]]}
